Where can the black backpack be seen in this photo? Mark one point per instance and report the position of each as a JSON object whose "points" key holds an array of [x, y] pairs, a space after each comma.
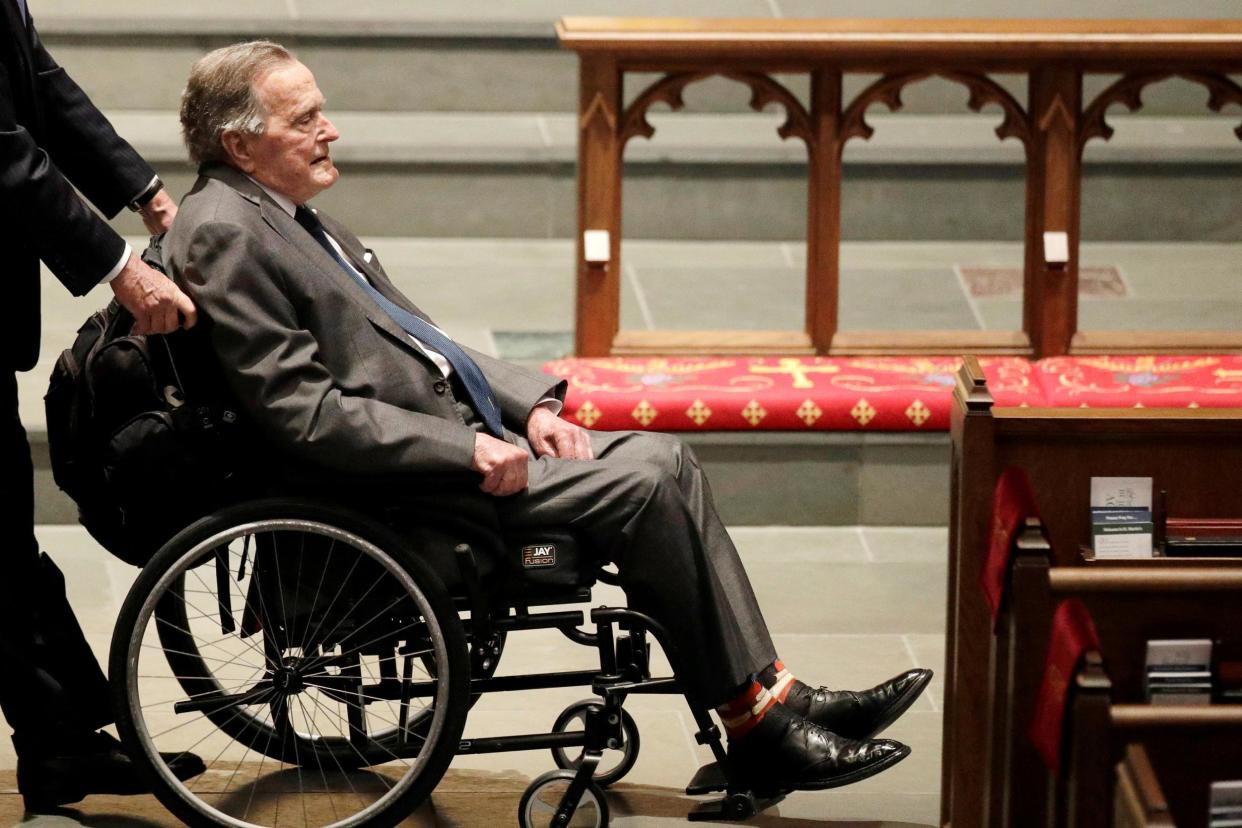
{"points": [[142, 432]]}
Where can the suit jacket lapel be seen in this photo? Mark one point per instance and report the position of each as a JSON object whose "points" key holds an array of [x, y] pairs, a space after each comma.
{"points": [[287, 228]]}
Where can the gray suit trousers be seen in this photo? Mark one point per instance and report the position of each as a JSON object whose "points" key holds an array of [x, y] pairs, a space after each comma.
{"points": [[645, 504]]}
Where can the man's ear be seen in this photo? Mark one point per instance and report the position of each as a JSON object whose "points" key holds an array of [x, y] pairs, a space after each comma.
{"points": [[237, 147]]}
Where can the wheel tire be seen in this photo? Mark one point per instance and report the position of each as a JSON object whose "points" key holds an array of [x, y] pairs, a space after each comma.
{"points": [[543, 796], [603, 776], [435, 612]]}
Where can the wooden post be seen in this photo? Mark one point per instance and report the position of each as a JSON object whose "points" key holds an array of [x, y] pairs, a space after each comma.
{"points": [[1086, 796], [1015, 801], [823, 213], [598, 311], [968, 624], [1053, 189]]}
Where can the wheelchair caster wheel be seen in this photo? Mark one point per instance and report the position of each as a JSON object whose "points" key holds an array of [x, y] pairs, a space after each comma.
{"points": [[542, 800], [617, 762]]}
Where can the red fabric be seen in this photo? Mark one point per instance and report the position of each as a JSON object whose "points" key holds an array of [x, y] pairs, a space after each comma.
{"points": [[1073, 634], [1012, 502], [743, 713], [778, 393], [1142, 381]]}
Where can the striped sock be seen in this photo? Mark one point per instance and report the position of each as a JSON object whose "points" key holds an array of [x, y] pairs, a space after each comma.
{"points": [[744, 712], [778, 680]]}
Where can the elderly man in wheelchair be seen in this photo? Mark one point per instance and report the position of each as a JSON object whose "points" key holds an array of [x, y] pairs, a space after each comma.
{"points": [[321, 650]]}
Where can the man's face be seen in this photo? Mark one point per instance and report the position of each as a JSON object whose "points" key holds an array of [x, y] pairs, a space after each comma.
{"points": [[291, 154]]}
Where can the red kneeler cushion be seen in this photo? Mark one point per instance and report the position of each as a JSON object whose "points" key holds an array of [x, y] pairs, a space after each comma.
{"points": [[1142, 381], [778, 393]]}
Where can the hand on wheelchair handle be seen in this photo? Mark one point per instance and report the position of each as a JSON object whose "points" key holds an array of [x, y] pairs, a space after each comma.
{"points": [[156, 303], [503, 465]]}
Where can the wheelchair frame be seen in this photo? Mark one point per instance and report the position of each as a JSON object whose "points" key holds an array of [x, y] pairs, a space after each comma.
{"points": [[620, 636]]}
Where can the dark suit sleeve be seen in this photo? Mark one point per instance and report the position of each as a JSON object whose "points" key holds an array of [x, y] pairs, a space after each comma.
{"points": [[83, 143], [36, 197], [274, 366]]}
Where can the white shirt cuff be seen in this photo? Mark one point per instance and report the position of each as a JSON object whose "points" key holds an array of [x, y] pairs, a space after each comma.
{"points": [[118, 267], [552, 404]]}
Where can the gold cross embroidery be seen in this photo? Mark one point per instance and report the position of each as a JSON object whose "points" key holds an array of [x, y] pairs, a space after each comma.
{"points": [[698, 412], [809, 412], [588, 414], [918, 412], [644, 412], [863, 412], [796, 369], [754, 413]]}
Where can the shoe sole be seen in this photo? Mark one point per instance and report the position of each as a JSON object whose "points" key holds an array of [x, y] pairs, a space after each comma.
{"points": [[909, 697], [36, 804], [853, 776]]}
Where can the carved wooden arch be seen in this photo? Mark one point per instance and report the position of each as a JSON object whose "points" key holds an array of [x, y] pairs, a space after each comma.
{"points": [[763, 91], [1222, 90], [983, 90]]}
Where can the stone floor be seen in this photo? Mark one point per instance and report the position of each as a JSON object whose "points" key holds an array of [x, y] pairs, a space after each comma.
{"points": [[847, 606]]}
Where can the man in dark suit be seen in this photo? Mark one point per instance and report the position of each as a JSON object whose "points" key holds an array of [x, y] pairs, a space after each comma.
{"points": [[52, 138], [339, 369]]}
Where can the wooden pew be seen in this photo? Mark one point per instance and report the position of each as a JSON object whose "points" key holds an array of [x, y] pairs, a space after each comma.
{"points": [[1189, 747], [1196, 455], [1138, 799], [1132, 602]]}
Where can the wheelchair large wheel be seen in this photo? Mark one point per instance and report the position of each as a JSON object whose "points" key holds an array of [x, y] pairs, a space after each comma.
{"points": [[314, 662]]}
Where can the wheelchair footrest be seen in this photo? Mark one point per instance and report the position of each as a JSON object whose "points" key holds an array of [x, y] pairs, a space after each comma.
{"points": [[732, 807], [708, 779]]}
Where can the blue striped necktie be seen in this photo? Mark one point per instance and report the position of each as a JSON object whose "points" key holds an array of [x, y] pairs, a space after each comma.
{"points": [[472, 379]]}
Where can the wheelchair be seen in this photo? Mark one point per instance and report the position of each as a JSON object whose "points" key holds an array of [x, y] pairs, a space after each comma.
{"points": [[322, 657], [314, 657]]}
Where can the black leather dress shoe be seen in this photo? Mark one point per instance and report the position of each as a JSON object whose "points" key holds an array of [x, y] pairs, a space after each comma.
{"points": [[50, 781], [858, 714], [786, 753]]}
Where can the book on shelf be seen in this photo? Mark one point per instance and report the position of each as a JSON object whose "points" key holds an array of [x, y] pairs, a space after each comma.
{"points": [[1121, 517], [1225, 804], [1205, 538], [1179, 671]]}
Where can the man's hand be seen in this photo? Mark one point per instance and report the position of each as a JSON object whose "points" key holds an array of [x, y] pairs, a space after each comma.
{"points": [[158, 213], [155, 302], [503, 465], [550, 435]]}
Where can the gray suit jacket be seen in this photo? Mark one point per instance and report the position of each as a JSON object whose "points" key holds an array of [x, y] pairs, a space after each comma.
{"points": [[323, 372]]}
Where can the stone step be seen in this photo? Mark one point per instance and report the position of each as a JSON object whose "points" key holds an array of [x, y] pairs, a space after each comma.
{"points": [[728, 176], [524, 17], [516, 138], [778, 478], [401, 56]]}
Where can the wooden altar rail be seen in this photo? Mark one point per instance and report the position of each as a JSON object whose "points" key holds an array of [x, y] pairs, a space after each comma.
{"points": [[1195, 455], [1189, 747], [1131, 603], [1054, 125]]}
